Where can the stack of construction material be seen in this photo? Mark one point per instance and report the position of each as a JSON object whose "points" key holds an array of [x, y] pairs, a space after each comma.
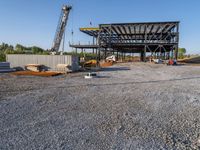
{"points": [[157, 61], [34, 67], [5, 67], [64, 68]]}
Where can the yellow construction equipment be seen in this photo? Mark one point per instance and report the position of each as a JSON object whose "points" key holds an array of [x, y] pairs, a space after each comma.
{"points": [[90, 63]]}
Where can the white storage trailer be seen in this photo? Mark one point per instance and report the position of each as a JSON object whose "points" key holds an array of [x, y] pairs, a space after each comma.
{"points": [[49, 61]]}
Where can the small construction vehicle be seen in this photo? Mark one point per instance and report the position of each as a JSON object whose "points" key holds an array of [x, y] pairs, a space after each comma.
{"points": [[111, 58], [172, 62]]}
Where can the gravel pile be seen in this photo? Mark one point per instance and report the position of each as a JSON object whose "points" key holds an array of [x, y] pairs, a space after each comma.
{"points": [[129, 106]]}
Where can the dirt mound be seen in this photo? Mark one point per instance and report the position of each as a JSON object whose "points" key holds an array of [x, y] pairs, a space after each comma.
{"points": [[106, 64], [32, 73], [191, 60]]}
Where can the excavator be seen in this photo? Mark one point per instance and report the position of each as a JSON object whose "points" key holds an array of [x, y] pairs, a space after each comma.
{"points": [[61, 28]]}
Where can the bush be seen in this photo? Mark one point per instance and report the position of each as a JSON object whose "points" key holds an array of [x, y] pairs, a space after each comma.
{"points": [[37, 50], [181, 53], [2, 57]]}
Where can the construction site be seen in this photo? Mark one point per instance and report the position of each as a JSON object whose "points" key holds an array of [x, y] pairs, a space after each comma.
{"points": [[126, 89]]}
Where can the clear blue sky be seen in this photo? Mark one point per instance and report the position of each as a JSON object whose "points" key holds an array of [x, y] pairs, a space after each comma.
{"points": [[33, 22]]}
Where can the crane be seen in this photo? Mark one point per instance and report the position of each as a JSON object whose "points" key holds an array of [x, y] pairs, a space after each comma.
{"points": [[61, 28]]}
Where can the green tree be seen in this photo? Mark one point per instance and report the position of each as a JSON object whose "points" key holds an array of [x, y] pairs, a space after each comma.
{"points": [[9, 50], [181, 53], [20, 49], [45, 53], [37, 50], [4, 49], [2, 57], [4, 46]]}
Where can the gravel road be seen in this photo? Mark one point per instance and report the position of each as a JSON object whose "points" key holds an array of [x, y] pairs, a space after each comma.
{"points": [[129, 106]]}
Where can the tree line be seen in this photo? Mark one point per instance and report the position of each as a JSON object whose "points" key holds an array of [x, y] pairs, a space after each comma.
{"points": [[19, 49]]}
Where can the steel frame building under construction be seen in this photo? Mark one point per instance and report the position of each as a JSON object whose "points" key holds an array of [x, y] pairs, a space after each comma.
{"points": [[158, 39]]}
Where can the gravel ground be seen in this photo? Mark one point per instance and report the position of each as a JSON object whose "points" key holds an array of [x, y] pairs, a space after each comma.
{"points": [[130, 106]]}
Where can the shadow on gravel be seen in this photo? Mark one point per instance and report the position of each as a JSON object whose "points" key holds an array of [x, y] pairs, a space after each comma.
{"points": [[103, 76], [143, 82], [108, 84], [115, 69]]}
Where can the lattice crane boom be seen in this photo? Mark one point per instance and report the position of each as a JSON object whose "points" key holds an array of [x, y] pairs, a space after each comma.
{"points": [[61, 28]]}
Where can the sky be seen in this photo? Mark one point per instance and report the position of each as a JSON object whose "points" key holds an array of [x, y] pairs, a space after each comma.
{"points": [[34, 22]]}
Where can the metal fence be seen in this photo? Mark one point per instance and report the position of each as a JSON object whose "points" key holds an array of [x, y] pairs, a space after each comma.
{"points": [[50, 61]]}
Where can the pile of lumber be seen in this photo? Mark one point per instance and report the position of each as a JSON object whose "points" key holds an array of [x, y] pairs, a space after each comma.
{"points": [[34, 67], [64, 68]]}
